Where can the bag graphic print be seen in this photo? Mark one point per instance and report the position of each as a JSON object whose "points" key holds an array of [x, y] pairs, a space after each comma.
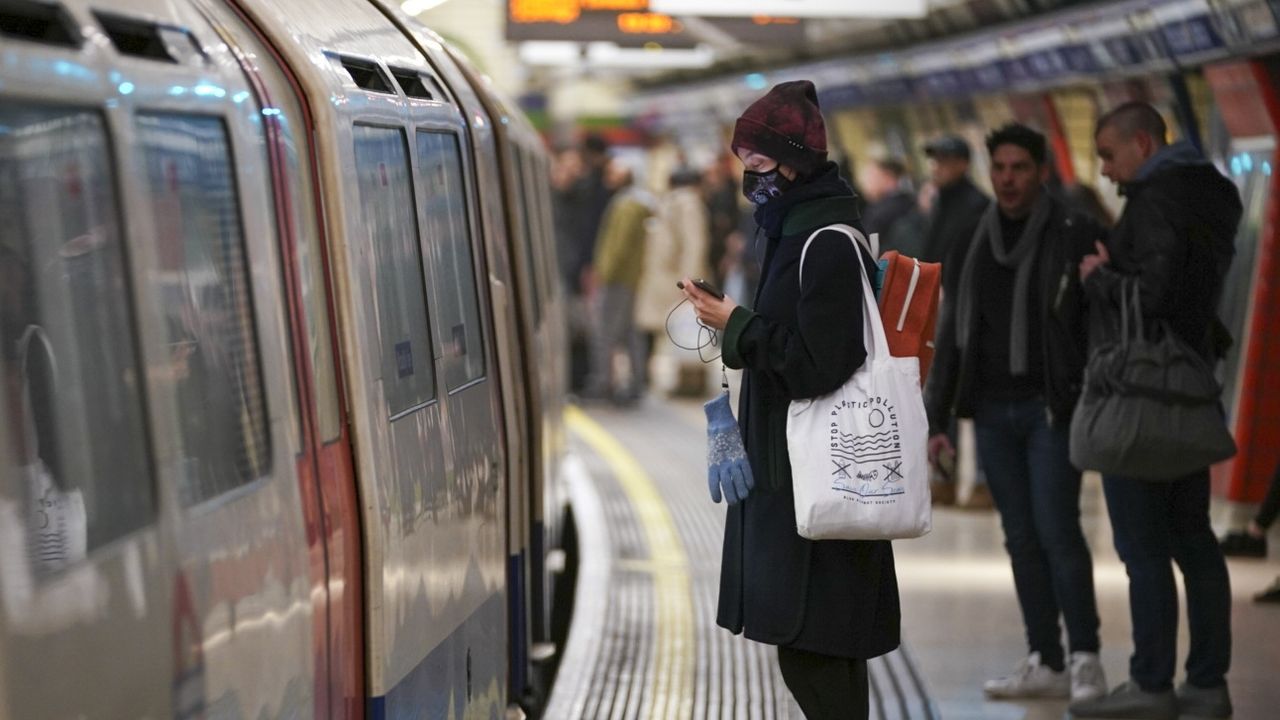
{"points": [[859, 455]]}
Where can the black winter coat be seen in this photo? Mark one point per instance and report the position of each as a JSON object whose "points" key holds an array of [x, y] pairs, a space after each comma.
{"points": [[1061, 313], [952, 222], [1177, 237], [837, 598]]}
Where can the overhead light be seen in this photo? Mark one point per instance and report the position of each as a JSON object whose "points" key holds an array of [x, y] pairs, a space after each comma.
{"points": [[793, 8], [602, 55], [549, 52], [415, 7]]}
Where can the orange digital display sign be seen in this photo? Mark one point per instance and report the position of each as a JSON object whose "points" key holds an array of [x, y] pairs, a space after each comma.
{"points": [[648, 23], [630, 23]]}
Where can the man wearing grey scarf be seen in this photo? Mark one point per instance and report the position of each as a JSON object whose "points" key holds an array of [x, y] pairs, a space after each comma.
{"points": [[1020, 258], [1011, 356]]}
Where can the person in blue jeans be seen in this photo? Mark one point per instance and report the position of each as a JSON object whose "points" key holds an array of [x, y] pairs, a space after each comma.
{"points": [[1011, 356], [1176, 239]]}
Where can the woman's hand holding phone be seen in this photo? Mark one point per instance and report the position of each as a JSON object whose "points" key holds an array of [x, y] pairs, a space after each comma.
{"points": [[711, 306]]}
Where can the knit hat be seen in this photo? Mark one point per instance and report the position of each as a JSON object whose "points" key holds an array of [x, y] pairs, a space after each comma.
{"points": [[785, 125]]}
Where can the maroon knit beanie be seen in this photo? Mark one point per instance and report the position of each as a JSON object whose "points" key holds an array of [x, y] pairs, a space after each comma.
{"points": [[786, 125]]}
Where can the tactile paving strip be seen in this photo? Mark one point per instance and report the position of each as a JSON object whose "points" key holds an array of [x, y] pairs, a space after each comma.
{"points": [[623, 668]]}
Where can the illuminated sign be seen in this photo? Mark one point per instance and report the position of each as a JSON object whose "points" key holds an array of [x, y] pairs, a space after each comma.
{"points": [[631, 23], [794, 8]]}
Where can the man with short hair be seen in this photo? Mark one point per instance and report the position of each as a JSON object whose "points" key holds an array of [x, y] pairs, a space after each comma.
{"points": [[1176, 240], [1013, 361], [891, 207]]}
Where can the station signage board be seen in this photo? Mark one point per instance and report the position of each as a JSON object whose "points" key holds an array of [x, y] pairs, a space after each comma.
{"points": [[633, 23]]}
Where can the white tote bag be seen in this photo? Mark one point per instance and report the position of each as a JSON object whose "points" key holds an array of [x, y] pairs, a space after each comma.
{"points": [[859, 456]]}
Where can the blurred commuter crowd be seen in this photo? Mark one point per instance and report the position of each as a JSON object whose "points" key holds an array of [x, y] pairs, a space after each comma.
{"points": [[631, 221]]}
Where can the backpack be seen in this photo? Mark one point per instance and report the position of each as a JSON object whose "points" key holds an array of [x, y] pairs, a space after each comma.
{"points": [[908, 292]]}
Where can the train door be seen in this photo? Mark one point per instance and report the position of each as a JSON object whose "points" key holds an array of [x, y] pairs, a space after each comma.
{"points": [[227, 427], [326, 480], [449, 216], [522, 393], [89, 598]]}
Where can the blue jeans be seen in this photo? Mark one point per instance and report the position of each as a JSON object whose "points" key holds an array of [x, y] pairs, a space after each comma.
{"points": [[1037, 492], [1154, 523]]}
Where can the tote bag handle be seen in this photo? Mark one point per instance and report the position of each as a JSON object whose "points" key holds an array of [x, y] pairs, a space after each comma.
{"points": [[873, 326]]}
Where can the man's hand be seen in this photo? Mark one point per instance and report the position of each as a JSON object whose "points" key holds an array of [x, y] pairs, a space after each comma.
{"points": [[587, 282], [1089, 263], [711, 312], [939, 444]]}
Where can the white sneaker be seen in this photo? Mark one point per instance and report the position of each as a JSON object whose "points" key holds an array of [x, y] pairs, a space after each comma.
{"points": [[1030, 680], [1088, 681]]}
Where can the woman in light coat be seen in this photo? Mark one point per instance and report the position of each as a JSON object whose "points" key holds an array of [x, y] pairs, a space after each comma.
{"points": [[676, 246]]}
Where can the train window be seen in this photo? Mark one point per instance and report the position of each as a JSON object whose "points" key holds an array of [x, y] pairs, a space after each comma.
{"points": [[416, 85], [525, 232], [38, 22], [73, 449], [546, 241], [448, 233], [386, 197], [367, 75], [222, 432], [146, 39]]}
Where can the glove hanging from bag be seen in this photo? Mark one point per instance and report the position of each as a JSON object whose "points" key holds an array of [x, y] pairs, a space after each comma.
{"points": [[728, 470]]}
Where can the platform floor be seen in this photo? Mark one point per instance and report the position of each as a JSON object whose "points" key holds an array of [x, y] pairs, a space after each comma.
{"points": [[644, 643]]}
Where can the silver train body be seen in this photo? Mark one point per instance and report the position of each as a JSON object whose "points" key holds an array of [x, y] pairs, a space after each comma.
{"points": [[282, 366]]}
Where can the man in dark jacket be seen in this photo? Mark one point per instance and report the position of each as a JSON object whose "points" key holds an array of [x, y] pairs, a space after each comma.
{"points": [[1013, 360], [953, 219], [892, 211], [829, 605], [1176, 240], [956, 210]]}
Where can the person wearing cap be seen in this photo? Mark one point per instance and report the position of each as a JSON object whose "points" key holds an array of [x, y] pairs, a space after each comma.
{"points": [[829, 606], [951, 224]]}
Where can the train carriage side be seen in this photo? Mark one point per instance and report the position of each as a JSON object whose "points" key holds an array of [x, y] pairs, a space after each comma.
{"points": [[539, 515], [507, 279], [151, 424], [417, 351]]}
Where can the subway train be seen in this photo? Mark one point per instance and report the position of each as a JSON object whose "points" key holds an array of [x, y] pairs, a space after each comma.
{"points": [[283, 368]]}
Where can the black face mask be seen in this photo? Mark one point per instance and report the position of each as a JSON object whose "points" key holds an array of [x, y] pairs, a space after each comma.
{"points": [[760, 188]]}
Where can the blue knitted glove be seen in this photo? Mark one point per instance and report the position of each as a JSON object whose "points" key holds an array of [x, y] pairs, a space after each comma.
{"points": [[727, 465]]}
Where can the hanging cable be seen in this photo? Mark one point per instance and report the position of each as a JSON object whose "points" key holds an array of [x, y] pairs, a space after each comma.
{"points": [[708, 337]]}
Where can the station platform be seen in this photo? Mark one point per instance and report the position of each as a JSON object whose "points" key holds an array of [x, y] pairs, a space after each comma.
{"points": [[644, 644]]}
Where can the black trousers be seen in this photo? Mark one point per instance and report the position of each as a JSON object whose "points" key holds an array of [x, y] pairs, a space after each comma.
{"points": [[827, 687]]}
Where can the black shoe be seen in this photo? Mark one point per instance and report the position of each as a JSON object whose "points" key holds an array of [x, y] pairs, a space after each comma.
{"points": [[1242, 544], [1196, 703], [1127, 702], [1271, 595]]}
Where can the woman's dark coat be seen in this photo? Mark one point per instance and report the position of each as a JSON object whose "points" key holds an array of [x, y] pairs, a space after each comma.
{"points": [[832, 597]]}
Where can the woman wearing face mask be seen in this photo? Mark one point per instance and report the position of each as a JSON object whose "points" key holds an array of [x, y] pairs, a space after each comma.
{"points": [[827, 605]]}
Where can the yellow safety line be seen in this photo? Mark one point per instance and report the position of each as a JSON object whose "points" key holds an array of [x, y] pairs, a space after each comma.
{"points": [[670, 686]]}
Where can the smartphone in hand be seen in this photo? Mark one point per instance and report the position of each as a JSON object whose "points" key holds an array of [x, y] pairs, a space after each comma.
{"points": [[704, 286]]}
